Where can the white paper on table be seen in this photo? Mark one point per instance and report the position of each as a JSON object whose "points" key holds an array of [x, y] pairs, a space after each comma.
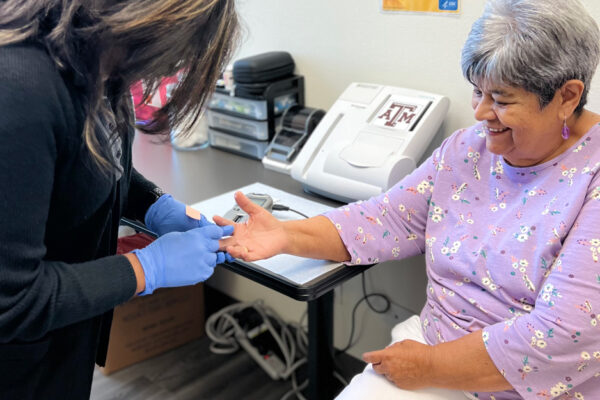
{"points": [[297, 270]]}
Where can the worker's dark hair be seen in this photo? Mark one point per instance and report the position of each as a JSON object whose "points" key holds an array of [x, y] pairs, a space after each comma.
{"points": [[110, 44]]}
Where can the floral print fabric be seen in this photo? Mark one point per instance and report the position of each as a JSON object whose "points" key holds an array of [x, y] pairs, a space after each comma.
{"points": [[512, 251]]}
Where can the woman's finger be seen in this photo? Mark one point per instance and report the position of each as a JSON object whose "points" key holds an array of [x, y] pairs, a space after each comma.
{"points": [[227, 242], [373, 357], [246, 204], [238, 251], [379, 369]]}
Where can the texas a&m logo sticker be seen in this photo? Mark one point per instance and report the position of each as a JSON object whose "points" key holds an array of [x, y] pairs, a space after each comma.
{"points": [[400, 113]]}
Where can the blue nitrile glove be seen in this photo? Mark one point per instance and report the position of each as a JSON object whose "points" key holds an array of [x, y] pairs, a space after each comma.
{"points": [[182, 258], [168, 215]]}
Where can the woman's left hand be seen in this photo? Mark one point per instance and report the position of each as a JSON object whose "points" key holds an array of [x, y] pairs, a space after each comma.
{"points": [[170, 215], [261, 236], [407, 363]]}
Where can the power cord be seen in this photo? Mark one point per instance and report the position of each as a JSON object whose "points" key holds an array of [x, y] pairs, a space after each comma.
{"points": [[358, 303], [225, 328], [221, 327], [281, 207], [365, 298], [388, 303]]}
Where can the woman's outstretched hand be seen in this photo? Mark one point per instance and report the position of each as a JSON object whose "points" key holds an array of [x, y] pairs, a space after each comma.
{"points": [[261, 236]]}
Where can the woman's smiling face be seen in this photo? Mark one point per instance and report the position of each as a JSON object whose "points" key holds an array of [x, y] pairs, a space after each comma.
{"points": [[515, 125]]}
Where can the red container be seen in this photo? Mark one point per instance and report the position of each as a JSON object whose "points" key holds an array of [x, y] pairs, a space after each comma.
{"points": [[145, 110]]}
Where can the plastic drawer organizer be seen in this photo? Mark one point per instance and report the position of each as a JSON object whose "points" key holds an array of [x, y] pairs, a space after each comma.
{"points": [[249, 108], [258, 130], [246, 147], [245, 123]]}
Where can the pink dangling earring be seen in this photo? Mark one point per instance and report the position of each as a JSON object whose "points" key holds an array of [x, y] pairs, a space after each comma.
{"points": [[565, 130]]}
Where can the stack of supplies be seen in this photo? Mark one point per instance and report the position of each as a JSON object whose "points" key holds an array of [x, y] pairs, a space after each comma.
{"points": [[244, 118]]}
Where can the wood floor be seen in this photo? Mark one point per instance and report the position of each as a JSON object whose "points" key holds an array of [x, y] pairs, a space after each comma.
{"points": [[193, 372]]}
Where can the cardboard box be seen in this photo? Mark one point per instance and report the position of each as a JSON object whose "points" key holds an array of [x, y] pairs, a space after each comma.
{"points": [[150, 325]]}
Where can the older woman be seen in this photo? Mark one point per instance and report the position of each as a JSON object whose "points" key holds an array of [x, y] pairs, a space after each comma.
{"points": [[506, 214]]}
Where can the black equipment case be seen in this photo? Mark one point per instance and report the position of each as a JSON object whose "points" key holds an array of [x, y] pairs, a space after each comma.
{"points": [[265, 67]]}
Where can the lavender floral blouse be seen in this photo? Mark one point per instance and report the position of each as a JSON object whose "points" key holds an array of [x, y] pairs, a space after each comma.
{"points": [[512, 251]]}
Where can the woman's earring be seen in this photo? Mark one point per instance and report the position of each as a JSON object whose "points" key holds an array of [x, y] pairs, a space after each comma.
{"points": [[565, 130]]}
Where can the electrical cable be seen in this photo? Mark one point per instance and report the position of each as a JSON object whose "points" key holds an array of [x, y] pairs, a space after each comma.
{"points": [[281, 207], [340, 378], [296, 389], [388, 303], [223, 327], [364, 298], [301, 336]]}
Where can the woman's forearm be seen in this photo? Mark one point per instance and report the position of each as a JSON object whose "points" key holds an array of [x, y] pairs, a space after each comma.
{"points": [[315, 237], [461, 364], [464, 364]]}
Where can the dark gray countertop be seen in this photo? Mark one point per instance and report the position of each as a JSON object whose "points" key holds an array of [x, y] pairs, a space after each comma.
{"points": [[192, 176]]}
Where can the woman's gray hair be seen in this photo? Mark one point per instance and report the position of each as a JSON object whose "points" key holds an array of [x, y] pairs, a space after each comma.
{"points": [[536, 45]]}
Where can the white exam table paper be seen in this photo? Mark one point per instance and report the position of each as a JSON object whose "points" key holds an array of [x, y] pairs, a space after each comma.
{"points": [[297, 270]]}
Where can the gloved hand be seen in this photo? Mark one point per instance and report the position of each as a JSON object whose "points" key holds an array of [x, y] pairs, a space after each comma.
{"points": [[169, 215], [182, 258]]}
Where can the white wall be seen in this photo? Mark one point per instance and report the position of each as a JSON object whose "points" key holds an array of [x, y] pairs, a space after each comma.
{"points": [[335, 42]]}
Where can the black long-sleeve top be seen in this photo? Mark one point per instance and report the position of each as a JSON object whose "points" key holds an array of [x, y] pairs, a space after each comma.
{"points": [[58, 229]]}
